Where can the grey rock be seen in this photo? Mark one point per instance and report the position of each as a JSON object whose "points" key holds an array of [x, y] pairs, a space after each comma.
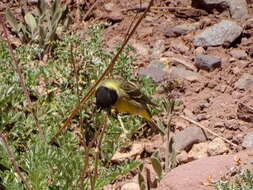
{"points": [[189, 136], [180, 30], [222, 33], [210, 4], [238, 8], [238, 54], [245, 82], [207, 62], [155, 70], [248, 141], [182, 73]]}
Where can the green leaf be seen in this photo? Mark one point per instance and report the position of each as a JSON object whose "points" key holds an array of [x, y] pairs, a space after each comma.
{"points": [[156, 163], [141, 182], [12, 20], [31, 22]]}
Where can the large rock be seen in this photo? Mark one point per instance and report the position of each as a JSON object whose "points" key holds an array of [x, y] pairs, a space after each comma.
{"points": [[194, 175], [189, 136], [237, 8], [222, 33], [245, 82]]}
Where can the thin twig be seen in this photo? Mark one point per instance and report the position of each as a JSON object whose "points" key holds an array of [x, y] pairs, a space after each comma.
{"points": [[13, 161], [90, 9], [98, 151], [106, 72], [87, 151], [22, 84], [208, 130]]}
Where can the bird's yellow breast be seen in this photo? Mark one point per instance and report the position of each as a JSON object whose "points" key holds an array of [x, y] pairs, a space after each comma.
{"points": [[125, 105]]}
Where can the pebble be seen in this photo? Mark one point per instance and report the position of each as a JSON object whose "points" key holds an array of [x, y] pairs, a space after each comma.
{"points": [[245, 82], [223, 33], [180, 30], [207, 62], [217, 147], [183, 158], [238, 54], [189, 136], [199, 150], [155, 70], [248, 140], [181, 72]]}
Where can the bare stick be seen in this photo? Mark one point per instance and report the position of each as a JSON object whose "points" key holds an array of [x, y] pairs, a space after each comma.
{"points": [[90, 9], [22, 83], [106, 72], [208, 130], [13, 161]]}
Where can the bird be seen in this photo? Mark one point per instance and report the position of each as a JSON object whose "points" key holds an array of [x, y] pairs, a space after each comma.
{"points": [[124, 97]]}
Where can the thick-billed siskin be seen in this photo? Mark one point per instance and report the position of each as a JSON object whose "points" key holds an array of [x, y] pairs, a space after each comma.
{"points": [[124, 97]]}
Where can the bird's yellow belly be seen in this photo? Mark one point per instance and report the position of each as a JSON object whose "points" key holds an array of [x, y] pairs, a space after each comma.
{"points": [[124, 105]]}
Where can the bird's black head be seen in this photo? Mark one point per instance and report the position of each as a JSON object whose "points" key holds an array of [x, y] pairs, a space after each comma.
{"points": [[105, 97]]}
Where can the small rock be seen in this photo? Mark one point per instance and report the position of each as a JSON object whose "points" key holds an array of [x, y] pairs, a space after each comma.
{"points": [[206, 62], [222, 33], [248, 141], [181, 72], [222, 88], [199, 50], [180, 30], [158, 49], [217, 147], [238, 54], [219, 124], [179, 47], [141, 49], [155, 70], [190, 13], [109, 6], [183, 158], [199, 151], [186, 64], [245, 82], [232, 124], [238, 8], [130, 186], [186, 138], [237, 95], [245, 112], [202, 117], [135, 150], [210, 4]]}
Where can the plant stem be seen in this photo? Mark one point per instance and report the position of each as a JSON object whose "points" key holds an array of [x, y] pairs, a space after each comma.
{"points": [[13, 161], [23, 86]]}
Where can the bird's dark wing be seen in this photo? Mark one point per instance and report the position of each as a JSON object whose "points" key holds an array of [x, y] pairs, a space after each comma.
{"points": [[134, 93]]}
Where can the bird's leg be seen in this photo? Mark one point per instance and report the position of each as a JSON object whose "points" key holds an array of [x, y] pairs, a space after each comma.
{"points": [[122, 125]]}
